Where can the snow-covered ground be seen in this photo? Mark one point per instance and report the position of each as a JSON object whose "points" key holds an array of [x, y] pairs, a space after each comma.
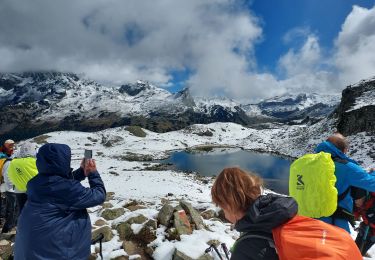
{"points": [[130, 181]]}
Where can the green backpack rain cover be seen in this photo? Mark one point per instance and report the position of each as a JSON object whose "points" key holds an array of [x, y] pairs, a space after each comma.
{"points": [[312, 184], [21, 170]]}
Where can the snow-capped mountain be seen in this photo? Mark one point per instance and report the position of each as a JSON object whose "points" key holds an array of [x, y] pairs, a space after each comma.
{"points": [[294, 107], [37, 102]]}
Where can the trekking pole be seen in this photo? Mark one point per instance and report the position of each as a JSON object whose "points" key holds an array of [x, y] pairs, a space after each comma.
{"points": [[364, 238], [217, 251], [95, 240], [225, 249]]}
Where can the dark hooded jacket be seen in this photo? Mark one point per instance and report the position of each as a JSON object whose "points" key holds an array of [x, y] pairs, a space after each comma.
{"points": [[54, 223], [267, 212]]}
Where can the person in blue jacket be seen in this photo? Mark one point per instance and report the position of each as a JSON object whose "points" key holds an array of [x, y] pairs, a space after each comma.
{"points": [[348, 174], [54, 223]]}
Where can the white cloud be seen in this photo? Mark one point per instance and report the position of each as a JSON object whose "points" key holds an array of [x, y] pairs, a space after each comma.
{"points": [[355, 57], [116, 41]]}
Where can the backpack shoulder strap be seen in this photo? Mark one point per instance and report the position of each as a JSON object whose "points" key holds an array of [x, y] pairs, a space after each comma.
{"points": [[339, 160], [270, 240]]}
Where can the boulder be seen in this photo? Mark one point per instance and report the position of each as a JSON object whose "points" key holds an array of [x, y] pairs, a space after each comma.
{"points": [[110, 214], [148, 232], [135, 207], [181, 223], [107, 232], [137, 220], [107, 205], [121, 257], [165, 215], [100, 222], [130, 247], [208, 214], [178, 255], [109, 196], [6, 249], [125, 231], [195, 216]]}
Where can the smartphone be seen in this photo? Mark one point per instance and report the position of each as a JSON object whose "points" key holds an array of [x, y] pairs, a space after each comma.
{"points": [[88, 154]]}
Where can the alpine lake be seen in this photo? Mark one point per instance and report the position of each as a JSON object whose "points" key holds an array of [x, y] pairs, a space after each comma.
{"points": [[273, 169]]}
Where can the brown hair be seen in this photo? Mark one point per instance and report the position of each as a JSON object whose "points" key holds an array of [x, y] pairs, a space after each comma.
{"points": [[236, 189], [339, 141]]}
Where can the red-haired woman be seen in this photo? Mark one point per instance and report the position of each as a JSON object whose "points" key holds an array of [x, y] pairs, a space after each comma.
{"points": [[239, 194]]}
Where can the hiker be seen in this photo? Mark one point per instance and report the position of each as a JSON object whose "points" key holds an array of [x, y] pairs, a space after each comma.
{"points": [[54, 223], [6, 152], [348, 173], [11, 208], [238, 193], [7, 149], [21, 169]]}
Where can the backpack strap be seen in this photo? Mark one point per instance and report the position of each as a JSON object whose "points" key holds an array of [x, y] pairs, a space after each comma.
{"points": [[260, 235]]}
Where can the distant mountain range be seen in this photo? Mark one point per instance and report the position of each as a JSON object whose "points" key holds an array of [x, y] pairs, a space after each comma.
{"points": [[37, 102]]}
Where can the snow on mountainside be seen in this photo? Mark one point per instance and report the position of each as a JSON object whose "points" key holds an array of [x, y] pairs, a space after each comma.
{"points": [[38, 102], [296, 106]]}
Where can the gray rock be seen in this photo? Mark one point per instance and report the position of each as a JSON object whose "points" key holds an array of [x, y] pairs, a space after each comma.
{"points": [[124, 231], [107, 205], [137, 220], [107, 232], [178, 255], [109, 196], [148, 232], [208, 214], [110, 214], [165, 215], [181, 223], [195, 216], [121, 257], [130, 247], [100, 222]]}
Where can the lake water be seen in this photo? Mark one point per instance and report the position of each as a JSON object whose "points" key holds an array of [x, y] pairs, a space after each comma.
{"points": [[274, 170]]}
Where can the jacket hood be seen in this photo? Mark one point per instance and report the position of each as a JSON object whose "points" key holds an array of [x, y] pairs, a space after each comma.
{"points": [[329, 147], [267, 212], [54, 159]]}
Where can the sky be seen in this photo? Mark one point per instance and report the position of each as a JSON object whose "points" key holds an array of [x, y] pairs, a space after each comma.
{"points": [[245, 50]]}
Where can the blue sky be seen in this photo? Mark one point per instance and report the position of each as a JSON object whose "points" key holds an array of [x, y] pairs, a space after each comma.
{"points": [[248, 50], [278, 17]]}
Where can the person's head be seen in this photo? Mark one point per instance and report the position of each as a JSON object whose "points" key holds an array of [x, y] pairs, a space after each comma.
{"points": [[339, 141], [9, 147], [234, 191], [54, 159], [27, 149]]}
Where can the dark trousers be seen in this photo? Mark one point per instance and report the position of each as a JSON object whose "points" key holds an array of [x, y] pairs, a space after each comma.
{"points": [[364, 243], [21, 200], [11, 212]]}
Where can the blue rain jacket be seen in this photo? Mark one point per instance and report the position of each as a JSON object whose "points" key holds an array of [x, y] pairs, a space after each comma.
{"points": [[349, 174], [54, 224]]}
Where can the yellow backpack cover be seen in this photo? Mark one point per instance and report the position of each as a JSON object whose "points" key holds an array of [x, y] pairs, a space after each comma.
{"points": [[312, 184], [21, 170]]}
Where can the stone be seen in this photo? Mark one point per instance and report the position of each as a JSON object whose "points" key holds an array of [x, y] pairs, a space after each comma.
{"points": [[6, 251], [178, 255], [137, 220], [148, 232], [125, 231], [121, 257], [181, 223], [109, 196], [130, 247], [135, 207], [107, 232], [100, 222], [195, 216], [208, 214], [107, 205], [111, 214], [165, 215], [93, 256], [172, 234]]}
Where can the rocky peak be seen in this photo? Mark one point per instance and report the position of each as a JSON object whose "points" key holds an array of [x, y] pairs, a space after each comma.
{"points": [[356, 111]]}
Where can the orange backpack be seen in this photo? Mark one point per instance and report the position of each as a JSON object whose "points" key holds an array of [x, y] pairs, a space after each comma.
{"points": [[306, 238]]}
